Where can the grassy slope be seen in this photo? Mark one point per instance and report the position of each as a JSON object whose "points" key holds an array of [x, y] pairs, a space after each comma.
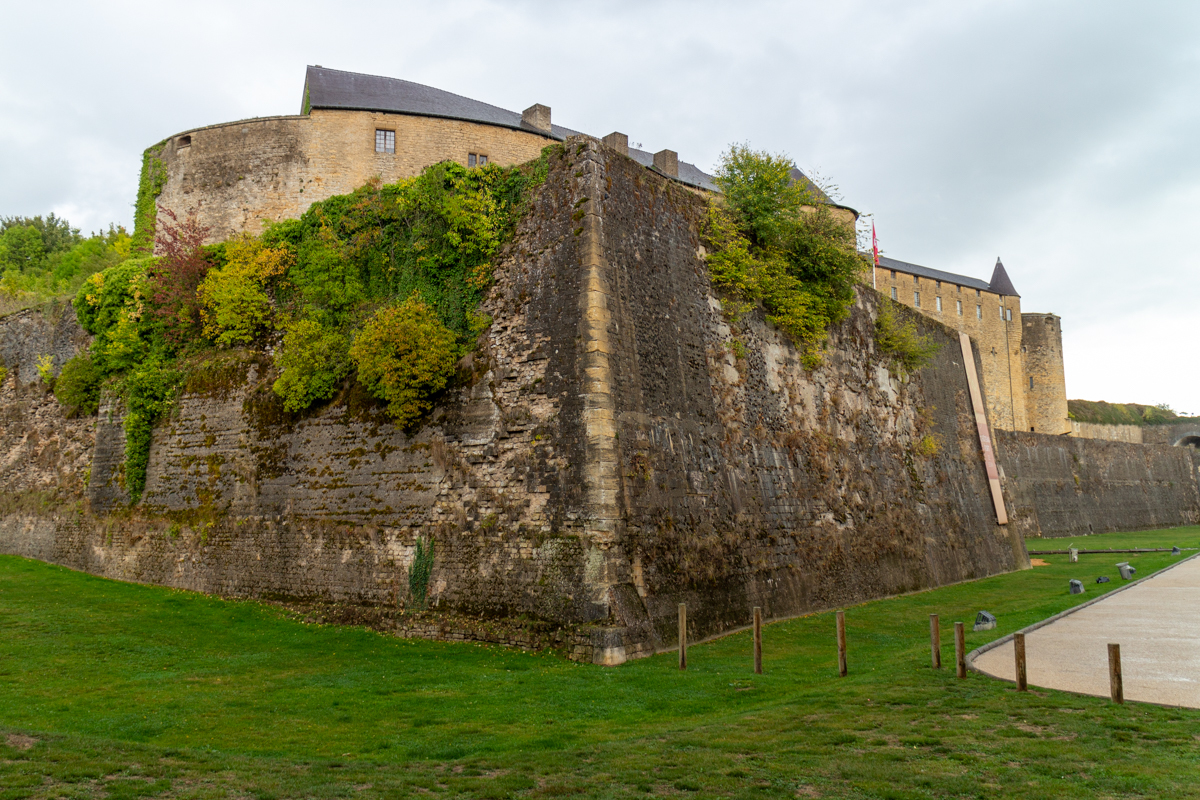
{"points": [[143, 691]]}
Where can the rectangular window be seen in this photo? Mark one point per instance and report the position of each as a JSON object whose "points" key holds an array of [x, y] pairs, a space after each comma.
{"points": [[916, 279], [894, 297], [917, 299], [1031, 387], [960, 308], [958, 289], [977, 294], [482, 159], [937, 284], [470, 159], [979, 312], [1008, 315], [476, 159], [385, 141], [939, 304], [893, 274]]}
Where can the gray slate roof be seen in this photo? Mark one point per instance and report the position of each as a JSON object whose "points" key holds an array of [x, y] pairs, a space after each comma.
{"points": [[935, 274], [335, 89], [1000, 281]]}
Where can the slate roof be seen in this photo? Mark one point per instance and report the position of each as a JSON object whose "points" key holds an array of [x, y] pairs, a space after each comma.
{"points": [[936, 274], [335, 89], [1001, 283]]}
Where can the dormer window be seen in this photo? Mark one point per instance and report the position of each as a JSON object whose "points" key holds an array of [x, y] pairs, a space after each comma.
{"points": [[385, 141]]}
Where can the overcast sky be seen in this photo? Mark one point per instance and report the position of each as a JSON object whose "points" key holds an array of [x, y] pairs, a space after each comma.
{"points": [[1059, 136]]}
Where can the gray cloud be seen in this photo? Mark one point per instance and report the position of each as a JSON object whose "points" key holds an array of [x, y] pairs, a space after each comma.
{"points": [[1059, 136]]}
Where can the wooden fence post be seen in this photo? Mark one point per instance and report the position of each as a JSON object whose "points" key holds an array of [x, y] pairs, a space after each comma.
{"points": [[757, 640], [1115, 683], [683, 635], [1019, 655], [960, 649], [841, 641], [935, 641]]}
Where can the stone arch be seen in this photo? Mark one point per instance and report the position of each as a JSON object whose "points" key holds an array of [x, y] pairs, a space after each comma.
{"points": [[1191, 439]]}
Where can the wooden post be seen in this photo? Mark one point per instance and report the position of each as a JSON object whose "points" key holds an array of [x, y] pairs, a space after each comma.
{"points": [[1115, 683], [935, 641], [841, 639], [757, 640], [1019, 655], [683, 635], [960, 649]]}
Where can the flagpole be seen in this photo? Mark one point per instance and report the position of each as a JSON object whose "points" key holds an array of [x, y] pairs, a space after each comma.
{"points": [[875, 253]]}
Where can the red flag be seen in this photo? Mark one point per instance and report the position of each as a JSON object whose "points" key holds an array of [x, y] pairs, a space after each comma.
{"points": [[874, 243]]}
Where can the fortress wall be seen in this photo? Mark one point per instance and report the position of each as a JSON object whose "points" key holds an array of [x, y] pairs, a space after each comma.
{"points": [[605, 457], [1112, 433], [1046, 401], [236, 177], [1064, 486]]}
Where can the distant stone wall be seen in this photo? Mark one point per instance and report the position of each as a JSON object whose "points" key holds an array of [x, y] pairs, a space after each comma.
{"points": [[1131, 434], [26, 336], [237, 176], [1064, 486]]}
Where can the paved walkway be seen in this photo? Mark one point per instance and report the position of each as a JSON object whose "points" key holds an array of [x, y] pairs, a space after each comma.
{"points": [[1155, 622]]}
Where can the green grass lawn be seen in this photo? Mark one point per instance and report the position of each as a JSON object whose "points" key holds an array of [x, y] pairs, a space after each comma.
{"points": [[118, 690]]}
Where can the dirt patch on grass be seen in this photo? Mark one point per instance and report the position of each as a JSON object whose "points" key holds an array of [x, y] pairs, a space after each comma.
{"points": [[1037, 562], [19, 741]]}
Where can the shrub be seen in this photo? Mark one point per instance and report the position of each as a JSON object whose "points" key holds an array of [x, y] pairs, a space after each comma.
{"points": [[899, 341], [78, 386], [174, 278], [235, 301], [404, 355], [775, 241], [45, 369], [312, 362]]}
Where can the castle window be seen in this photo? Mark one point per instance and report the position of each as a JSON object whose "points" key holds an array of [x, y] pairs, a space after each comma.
{"points": [[893, 274], [385, 141], [1023, 350], [1031, 386], [958, 289], [1008, 314], [978, 293], [476, 159], [916, 279], [959, 307], [917, 299], [184, 141], [979, 312], [894, 297], [937, 284], [939, 304]]}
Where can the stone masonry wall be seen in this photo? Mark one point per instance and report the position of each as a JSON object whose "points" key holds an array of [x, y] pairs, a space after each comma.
{"points": [[237, 176], [603, 456], [1045, 387], [1065, 486]]}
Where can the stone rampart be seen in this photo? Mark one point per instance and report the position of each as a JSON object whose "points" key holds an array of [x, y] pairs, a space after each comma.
{"points": [[605, 455], [1111, 433], [1065, 486]]}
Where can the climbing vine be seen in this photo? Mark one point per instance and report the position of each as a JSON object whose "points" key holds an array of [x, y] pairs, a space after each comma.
{"points": [[150, 185]]}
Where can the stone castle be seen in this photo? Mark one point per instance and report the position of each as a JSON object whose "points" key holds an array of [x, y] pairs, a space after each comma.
{"points": [[609, 456], [352, 128]]}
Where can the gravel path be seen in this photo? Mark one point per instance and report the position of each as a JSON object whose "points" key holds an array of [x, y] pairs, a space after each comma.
{"points": [[1157, 625]]}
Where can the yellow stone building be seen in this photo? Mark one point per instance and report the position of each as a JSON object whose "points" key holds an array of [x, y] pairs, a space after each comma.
{"points": [[1023, 375]]}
